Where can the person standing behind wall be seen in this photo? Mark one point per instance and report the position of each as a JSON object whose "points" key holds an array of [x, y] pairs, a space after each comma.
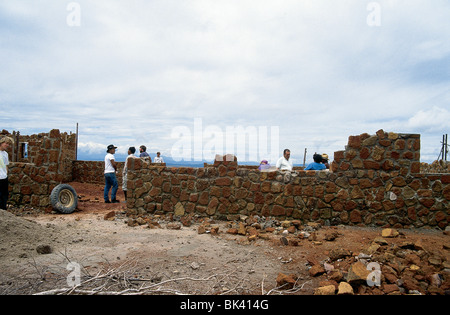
{"points": [[317, 164], [5, 143], [144, 154], [283, 163], [110, 175], [131, 152], [159, 158], [325, 160]]}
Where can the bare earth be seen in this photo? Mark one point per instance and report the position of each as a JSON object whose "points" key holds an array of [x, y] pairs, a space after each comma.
{"points": [[114, 257]]}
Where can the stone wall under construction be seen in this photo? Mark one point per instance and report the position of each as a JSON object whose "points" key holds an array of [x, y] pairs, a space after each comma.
{"points": [[48, 163], [375, 181]]}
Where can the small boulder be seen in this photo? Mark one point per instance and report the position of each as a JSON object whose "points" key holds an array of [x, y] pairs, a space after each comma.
{"points": [[173, 226], [389, 233], [44, 249], [110, 216], [357, 273], [286, 281], [338, 253], [345, 288], [316, 270], [325, 290]]}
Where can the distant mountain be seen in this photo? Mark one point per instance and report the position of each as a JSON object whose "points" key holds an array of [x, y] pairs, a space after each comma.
{"points": [[120, 157]]}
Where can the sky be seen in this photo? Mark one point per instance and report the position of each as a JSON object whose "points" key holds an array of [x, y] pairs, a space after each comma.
{"points": [[191, 78]]}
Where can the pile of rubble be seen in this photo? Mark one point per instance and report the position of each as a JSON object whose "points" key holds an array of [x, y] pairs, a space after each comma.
{"points": [[438, 166], [235, 224], [382, 268]]}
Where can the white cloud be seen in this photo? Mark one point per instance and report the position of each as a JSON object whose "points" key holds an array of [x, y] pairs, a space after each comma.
{"points": [[134, 71], [91, 147], [435, 119]]}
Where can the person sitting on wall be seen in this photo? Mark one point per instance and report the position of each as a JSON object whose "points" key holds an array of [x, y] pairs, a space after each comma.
{"points": [[283, 162], [263, 165], [144, 154], [110, 175], [131, 152], [325, 160], [317, 164]]}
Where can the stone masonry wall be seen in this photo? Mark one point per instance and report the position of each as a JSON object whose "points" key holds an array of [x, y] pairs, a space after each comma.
{"points": [[50, 157], [380, 152], [375, 181], [93, 172]]}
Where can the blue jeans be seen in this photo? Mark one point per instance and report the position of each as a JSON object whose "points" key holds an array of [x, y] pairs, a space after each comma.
{"points": [[110, 181]]}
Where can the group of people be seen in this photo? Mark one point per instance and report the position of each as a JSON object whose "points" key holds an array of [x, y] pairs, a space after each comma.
{"points": [[285, 164], [320, 162], [111, 183], [143, 154]]}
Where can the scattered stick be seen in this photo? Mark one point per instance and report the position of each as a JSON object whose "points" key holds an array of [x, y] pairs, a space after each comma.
{"points": [[123, 279]]}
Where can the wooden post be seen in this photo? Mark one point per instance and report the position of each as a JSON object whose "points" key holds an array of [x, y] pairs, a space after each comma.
{"points": [[445, 148], [76, 145], [15, 147], [304, 158]]}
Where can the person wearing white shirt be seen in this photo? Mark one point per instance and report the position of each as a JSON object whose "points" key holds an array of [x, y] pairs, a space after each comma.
{"points": [[110, 175], [131, 152], [158, 158], [283, 163], [5, 143]]}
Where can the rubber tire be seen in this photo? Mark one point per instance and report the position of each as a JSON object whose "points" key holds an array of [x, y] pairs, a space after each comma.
{"points": [[64, 198]]}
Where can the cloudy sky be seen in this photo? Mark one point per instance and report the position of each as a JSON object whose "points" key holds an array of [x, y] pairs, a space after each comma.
{"points": [[309, 72]]}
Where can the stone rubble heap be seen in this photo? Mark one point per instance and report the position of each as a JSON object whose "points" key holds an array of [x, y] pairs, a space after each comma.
{"points": [[382, 268]]}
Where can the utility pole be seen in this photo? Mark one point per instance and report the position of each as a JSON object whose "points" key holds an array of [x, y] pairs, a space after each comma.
{"points": [[76, 145], [444, 149], [304, 158]]}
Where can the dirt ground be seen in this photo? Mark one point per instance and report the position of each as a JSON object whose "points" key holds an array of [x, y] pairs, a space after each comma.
{"points": [[37, 252]]}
